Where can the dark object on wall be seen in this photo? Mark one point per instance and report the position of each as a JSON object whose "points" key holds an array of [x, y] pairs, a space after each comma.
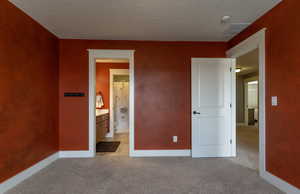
{"points": [[74, 94], [104, 146], [251, 120]]}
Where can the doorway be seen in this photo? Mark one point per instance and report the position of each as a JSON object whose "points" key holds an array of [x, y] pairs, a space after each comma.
{"points": [[251, 108], [97, 97], [247, 108], [112, 106], [256, 42]]}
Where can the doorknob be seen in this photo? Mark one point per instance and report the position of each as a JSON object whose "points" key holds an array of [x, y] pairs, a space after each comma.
{"points": [[196, 113]]}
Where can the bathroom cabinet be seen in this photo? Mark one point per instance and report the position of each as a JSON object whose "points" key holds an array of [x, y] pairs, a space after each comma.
{"points": [[102, 126]]}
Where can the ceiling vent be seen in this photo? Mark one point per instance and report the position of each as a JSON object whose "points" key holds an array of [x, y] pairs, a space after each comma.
{"points": [[235, 28]]}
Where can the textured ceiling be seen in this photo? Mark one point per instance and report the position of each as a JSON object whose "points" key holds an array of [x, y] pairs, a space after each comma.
{"points": [[168, 20]]}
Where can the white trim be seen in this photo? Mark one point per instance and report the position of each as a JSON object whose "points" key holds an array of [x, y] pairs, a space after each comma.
{"points": [[112, 54], [233, 108], [113, 72], [112, 61], [15, 180], [279, 183], [256, 41], [161, 153], [76, 154]]}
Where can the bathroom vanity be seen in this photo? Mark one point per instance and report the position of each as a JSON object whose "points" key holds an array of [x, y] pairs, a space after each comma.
{"points": [[102, 123]]}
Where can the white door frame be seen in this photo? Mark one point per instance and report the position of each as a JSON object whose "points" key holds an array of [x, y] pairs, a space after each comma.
{"points": [[233, 98], [256, 41], [109, 54], [246, 97], [113, 72]]}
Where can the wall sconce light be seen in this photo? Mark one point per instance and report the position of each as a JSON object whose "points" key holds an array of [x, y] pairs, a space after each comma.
{"points": [[238, 70]]}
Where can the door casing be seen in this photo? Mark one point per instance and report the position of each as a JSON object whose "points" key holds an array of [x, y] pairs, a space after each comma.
{"points": [[255, 41]]}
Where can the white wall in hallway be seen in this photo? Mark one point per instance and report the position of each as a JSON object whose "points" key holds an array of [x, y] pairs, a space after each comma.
{"points": [[121, 106], [253, 97]]}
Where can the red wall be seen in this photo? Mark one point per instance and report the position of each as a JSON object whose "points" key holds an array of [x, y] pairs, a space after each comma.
{"points": [[282, 80], [29, 91], [162, 90], [102, 79], [29, 79]]}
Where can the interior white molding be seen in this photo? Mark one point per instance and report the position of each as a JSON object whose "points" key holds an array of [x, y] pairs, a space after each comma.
{"points": [[161, 153], [255, 41], [15, 180], [76, 154], [112, 61], [279, 183], [95, 54]]}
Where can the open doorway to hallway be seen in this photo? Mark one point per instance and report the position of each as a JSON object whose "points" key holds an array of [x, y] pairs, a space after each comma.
{"points": [[112, 107], [247, 109]]}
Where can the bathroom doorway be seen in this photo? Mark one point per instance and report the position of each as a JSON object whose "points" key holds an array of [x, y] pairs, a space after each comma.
{"points": [[105, 55], [119, 100], [112, 106]]}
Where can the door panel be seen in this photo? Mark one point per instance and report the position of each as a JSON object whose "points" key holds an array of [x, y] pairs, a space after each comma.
{"points": [[211, 107]]}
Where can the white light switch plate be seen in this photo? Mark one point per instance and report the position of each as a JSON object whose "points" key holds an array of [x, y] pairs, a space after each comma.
{"points": [[175, 139], [274, 101]]}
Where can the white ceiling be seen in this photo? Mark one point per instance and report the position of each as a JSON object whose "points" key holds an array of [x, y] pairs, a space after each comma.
{"points": [[169, 20]]}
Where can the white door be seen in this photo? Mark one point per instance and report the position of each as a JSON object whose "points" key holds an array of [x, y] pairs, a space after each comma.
{"points": [[212, 128]]}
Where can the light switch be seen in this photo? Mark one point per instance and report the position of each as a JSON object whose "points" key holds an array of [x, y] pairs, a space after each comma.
{"points": [[274, 101], [175, 139]]}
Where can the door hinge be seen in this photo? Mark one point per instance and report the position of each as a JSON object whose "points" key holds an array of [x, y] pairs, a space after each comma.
{"points": [[231, 141], [230, 105]]}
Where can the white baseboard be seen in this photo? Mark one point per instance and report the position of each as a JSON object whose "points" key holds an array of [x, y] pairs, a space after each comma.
{"points": [[76, 154], [279, 183], [13, 181], [160, 153]]}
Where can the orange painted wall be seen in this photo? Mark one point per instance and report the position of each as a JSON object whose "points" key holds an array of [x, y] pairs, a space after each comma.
{"points": [[102, 79], [29, 91], [162, 90], [282, 80]]}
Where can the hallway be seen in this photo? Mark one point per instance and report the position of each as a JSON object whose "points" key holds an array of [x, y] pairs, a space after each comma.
{"points": [[247, 147]]}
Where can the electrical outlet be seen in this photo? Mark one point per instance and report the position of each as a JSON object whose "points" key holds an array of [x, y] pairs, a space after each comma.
{"points": [[175, 139]]}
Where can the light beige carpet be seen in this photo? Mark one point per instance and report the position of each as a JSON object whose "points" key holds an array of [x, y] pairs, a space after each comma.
{"points": [[247, 147], [121, 174]]}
